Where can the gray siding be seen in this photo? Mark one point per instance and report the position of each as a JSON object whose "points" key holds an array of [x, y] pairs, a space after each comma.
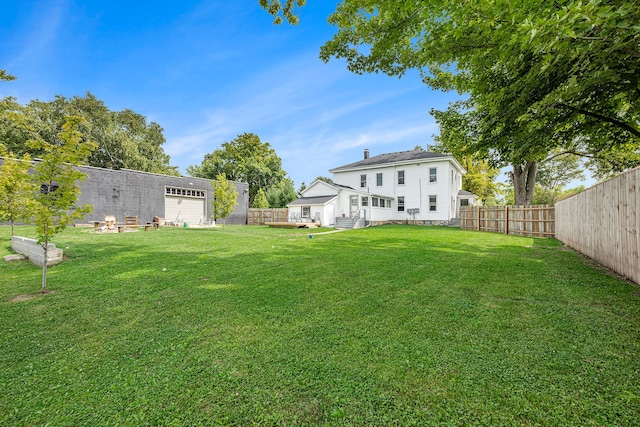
{"points": [[127, 193]]}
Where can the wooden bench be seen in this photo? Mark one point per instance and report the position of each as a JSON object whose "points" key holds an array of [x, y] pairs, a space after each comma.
{"points": [[131, 221], [146, 226]]}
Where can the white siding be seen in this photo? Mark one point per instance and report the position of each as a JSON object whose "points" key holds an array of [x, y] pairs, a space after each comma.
{"points": [[416, 189], [320, 188]]}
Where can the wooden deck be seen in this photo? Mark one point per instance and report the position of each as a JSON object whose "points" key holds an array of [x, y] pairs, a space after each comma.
{"points": [[293, 224]]}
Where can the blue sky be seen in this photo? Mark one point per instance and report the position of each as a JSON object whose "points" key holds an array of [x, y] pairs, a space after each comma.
{"points": [[207, 71]]}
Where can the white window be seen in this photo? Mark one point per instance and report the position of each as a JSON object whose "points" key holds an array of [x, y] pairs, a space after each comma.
{"points": [[184, 192], [365, 201], [306, 212], [382, 203], [400, 177], [374, 201], [363, 181], [379, 179], [401, 204], [433, 207], [433, 174]]}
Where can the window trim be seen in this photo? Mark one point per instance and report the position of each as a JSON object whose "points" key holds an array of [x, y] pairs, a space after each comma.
{"points": [[379, 181], [401, 178], [400, 203], [363, 180]]}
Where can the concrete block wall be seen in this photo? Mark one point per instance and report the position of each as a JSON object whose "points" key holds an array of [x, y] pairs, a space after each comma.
{"points": [[125, 192], [33, 250]]}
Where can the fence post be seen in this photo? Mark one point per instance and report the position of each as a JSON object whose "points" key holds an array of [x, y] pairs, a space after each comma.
{"points": [[479, 207], [506, 220]]}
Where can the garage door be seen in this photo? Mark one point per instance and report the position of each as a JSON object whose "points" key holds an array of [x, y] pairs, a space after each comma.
{"points": [[184, 209]]}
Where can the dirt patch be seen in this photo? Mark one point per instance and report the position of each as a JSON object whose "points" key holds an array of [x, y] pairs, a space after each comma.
{"points": [[27, 297]]}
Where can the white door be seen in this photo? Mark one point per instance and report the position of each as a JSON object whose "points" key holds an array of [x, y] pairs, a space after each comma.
{"points": [[184, 209], [353, 205]]}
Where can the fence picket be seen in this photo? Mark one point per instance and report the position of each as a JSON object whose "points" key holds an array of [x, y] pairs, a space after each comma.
{"points": [[262, 216], [536, 220], [602, 223]]}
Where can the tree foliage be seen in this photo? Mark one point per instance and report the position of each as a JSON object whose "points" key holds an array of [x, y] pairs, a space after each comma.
{"points": [[539, 75], [281, 194], [225, 197], [16, 189], [4, 76], [56, 176], [559, 170], [260, 201], [279, 9], [244, 159], [125, 140]]}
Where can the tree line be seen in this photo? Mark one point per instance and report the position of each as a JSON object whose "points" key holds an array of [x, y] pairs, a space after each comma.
{"points": [[126, 140]]}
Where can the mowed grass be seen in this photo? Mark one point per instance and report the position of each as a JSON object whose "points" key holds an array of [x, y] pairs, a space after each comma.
{"points": [[393, 325]]}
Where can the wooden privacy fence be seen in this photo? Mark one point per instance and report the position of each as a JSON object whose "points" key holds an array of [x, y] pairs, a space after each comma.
{"points": [[602, 223], [536, 220], [260, 216]]}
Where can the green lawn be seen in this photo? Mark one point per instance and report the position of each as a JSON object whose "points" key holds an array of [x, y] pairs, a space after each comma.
{"points": [[393, 325]]}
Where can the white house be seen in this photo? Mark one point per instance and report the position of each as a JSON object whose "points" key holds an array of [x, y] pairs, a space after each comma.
{"points": [[414, 185]]}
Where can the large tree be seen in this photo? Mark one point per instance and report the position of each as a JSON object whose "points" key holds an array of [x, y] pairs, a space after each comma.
{"points": [[125, 140], [244, 159], [539, 74]]}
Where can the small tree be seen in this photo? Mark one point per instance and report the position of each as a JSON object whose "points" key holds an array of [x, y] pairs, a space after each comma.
{"points": [[281, 194], [16, 189], [225, 197], [260, 201], [57, 177]]}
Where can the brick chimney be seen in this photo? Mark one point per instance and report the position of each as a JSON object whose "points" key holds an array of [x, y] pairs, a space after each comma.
{"points": [[366, 153]]}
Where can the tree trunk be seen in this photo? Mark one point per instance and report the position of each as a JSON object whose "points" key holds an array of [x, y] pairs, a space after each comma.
{"points": [[524, 180], [45, 246]]}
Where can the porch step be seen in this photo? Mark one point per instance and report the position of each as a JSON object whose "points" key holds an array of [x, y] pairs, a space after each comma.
{"points": [[345, 223]]}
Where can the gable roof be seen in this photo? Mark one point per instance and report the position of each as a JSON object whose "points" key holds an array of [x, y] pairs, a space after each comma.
{"points": [[397, 157]]}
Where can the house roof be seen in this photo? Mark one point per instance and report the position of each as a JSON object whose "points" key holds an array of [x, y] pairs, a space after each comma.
{"points": [[317, 200], [465, 193], [398, 157]]}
